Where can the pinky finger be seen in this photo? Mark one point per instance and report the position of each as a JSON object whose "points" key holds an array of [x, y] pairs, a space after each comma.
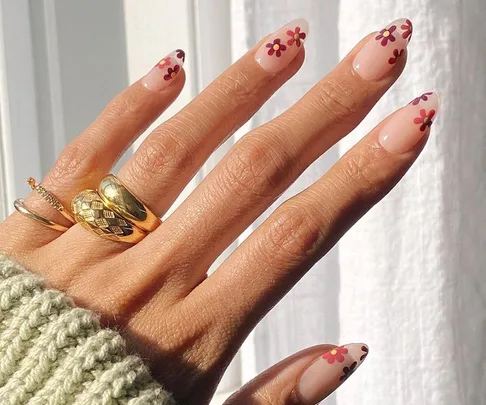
{"points": [[306, 378]]}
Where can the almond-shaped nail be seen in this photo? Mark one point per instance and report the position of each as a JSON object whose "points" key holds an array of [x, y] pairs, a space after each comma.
{"points": [[409, 125], [164, 72], [281, 47], [329, 371], [383, 50]]}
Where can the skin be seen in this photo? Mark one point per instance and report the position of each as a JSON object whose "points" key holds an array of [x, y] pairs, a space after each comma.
{"points": [[157, 293]]}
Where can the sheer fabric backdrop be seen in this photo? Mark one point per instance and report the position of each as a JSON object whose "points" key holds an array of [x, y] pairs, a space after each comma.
{"points": [[409, 279]]}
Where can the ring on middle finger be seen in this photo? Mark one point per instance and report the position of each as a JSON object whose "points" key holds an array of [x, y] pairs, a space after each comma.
{"points": [[95, 216], [121, 200]]}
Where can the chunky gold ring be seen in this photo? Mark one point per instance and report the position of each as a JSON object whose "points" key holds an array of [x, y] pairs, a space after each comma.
{"points": [[121, 200], [19, 205], [50, 198], [94, 215]]}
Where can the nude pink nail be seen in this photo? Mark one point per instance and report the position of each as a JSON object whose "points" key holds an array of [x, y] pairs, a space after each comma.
{"points": [[164, 72], [281, 47], [329, 371], [409, 125], [383, 51]]}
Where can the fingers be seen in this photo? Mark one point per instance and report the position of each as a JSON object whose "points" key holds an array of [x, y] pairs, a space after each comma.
{"points": [[265, 162], [306, 378], [170, 156], [304, 228], [91, 155]]}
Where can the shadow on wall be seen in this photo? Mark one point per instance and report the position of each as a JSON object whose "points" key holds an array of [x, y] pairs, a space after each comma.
{"points": [[80, 64]]}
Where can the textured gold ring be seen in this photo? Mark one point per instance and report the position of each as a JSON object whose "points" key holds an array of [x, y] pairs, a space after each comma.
{"points": [[50, 198], [93, 214], [19, 205], [120, 199]]}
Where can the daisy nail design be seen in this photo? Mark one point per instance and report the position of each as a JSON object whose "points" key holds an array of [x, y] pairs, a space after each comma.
{"points": [[383, 50], [329, 371], [281, 47], [165, 71], [410, 124]]}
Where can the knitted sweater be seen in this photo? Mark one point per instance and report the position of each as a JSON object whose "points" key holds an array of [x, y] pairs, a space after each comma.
{"points": [[54, 353]]}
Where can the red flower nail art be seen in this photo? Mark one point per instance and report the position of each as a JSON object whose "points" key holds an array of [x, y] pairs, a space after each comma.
{"points": [[296, 36], [396, 55], [172, 72], [164, 62], [386, 35], [423, 97], [276, 47], [425, 119], [180, 54], [336, 354], [407, 30]]}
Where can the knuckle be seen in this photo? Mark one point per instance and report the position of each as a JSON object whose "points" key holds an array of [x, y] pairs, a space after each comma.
{"points": [[339, 101], [295, 232], [360, 173], [254, 169], [161, 155], [237, 88], [125, 103], [77, 162]]}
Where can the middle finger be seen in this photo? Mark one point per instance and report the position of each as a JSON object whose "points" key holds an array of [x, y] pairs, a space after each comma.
{"points": [[172, 154], [266, 161]]}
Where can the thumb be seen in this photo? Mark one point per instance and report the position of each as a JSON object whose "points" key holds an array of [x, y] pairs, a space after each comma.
{"points": [[305, 378]]}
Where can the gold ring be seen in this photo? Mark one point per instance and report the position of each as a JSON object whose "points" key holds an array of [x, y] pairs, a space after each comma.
{"points": [[20, 207], [94, 215], [121, 200], [50, 198]]}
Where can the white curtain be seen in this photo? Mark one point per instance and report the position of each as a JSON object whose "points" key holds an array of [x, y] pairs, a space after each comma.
{"points": [[409, 279]]}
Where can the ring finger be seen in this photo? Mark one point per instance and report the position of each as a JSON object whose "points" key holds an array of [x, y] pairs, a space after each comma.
{"points": [[267, 160]]}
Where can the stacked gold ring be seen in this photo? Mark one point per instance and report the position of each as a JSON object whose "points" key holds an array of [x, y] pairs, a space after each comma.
{"points": [[121, 200], [20, 206], [114, 212]]}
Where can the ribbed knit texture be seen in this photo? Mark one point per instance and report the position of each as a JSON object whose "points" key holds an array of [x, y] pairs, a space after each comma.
{"points": [[54, 353]]}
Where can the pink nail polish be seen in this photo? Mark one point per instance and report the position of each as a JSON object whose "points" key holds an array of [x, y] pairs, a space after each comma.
{"points": [[382, 51], [164, 72], [408, 125], [329, 371], [281, 47]]}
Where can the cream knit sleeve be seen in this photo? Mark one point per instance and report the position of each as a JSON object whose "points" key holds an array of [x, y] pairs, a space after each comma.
{"points": [[54, 353]]}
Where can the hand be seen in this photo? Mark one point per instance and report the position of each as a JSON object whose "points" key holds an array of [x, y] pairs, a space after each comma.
{"points": [[156, 292]]}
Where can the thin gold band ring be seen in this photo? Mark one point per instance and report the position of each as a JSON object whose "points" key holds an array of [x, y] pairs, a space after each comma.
{"points": [[50, 198], [19, 205]]}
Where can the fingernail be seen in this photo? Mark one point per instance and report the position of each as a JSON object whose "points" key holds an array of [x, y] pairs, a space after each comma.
{"points": [[408, 125], [164, 72], [383, 50], [329, 371], [281, 47]]}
